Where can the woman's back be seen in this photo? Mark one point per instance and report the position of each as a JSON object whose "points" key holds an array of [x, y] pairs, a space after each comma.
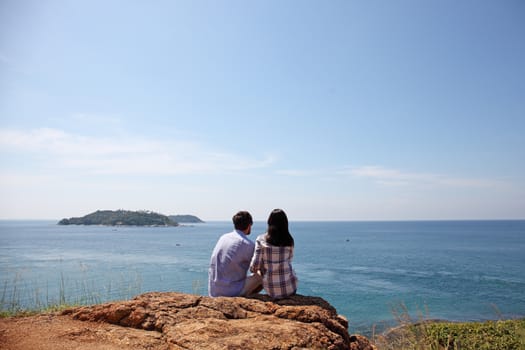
{"points": [[275, 266]]}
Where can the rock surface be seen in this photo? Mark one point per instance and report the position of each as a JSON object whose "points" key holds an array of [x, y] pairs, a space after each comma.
{"points": [[184, 321]]}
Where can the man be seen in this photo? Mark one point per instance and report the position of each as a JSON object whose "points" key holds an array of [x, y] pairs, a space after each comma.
{"points": [[231, 259]]}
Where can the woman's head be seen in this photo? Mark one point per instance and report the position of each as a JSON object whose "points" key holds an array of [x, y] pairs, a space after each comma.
{"points": [[278, 218], [278, 233]]}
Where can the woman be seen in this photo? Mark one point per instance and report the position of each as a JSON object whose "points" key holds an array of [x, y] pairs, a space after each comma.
{"points": [[273, 257]]}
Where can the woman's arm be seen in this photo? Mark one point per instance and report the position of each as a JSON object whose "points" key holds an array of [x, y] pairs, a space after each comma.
{"points": [[256, 263]]}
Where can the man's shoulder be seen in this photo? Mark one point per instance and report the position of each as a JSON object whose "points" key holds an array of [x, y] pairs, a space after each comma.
{"points": [[227, 234], [236, 236], [242, 239]]}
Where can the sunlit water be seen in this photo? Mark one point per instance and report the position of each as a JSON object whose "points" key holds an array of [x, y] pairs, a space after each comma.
{"points": [[454, 270]]}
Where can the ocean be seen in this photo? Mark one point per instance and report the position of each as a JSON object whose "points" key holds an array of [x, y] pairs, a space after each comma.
{"points": [[369, 271]]}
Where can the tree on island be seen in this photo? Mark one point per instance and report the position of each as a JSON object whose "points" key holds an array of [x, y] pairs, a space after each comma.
{"points": [[121, 218]]}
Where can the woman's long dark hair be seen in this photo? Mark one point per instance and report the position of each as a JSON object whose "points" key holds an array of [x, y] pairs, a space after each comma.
{"points": [[278, 234]]}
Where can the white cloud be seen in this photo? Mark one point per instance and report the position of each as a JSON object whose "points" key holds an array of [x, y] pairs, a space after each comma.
{"points": [[394, 177], [15, 180], [125, 155], [92, 118], [297, 172]]}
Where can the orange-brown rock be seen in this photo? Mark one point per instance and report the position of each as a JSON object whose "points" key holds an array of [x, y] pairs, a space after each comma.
{"points": [[184, 321]]}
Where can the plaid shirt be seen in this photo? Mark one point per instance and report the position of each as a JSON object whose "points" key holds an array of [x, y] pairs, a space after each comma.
{"points": [[275, 264]]}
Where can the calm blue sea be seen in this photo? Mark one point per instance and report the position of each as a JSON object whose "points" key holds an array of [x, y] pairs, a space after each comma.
{"points": [[454, 270]]}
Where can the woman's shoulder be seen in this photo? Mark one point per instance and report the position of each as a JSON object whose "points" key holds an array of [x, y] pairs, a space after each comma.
{"points": [[261, 238]]}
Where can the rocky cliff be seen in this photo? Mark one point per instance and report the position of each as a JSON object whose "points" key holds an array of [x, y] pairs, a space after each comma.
{"points": [[184, 321]]}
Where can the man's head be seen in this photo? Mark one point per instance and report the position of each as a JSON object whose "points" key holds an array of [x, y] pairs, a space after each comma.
{"points": [[243, 221]]}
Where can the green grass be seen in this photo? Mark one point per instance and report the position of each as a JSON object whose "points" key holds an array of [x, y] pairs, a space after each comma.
{"points": [[19, 297], [436, 335], [504, 335], [22, 312], [489, 335], [22, 297]]}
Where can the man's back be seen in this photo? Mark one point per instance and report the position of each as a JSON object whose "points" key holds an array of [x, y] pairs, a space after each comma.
{"points": [[229, 263]]}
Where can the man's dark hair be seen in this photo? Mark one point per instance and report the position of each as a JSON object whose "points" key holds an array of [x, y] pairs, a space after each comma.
{"points": [[242, 220]]}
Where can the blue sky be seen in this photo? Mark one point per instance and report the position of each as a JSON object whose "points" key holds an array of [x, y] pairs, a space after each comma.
{"points": [[331, 110]]}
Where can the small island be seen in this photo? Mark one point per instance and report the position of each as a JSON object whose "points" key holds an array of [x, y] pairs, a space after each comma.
{"points": [[121, 218], [187, 219]]}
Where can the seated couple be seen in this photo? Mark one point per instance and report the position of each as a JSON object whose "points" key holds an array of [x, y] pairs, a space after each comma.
{"points": [[269, 259]]}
